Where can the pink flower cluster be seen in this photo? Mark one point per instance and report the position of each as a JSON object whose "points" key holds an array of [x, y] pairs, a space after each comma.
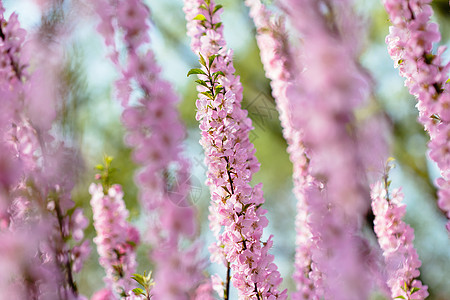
{"points": [[156, 133], [236, 214], [276, 56], [116, 239], [396, 240], [410, 44]]}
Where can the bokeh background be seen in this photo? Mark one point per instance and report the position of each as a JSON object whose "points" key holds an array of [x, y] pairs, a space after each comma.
{"points": [[90, 117]]}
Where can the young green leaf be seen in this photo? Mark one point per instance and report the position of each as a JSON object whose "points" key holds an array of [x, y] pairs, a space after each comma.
{"points": [[217, 8], [219, 89], [108, 160], [138, 292], [200, 17], [400, 297], [414, 290], [139, 279], [202, 60], [216, 75], [148, 279], [195, 71], [201, 82], [211, 59], [207, 94]]}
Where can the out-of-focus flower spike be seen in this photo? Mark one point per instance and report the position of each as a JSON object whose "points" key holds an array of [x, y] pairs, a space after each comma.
{"points": [[156, 133], [276, 56], [322, 108]]}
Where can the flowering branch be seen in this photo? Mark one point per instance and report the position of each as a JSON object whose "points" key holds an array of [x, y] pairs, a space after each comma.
{"points": [[230, 159], [396, 240], [116, 239], [410, 44]]}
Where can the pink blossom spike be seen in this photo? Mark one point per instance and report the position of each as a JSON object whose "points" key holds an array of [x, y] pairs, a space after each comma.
{"points": [[235, 205], [116, 239], [396, 240], [410, 43]]}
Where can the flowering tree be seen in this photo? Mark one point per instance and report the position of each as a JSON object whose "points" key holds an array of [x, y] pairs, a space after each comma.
{"points": [[352, 239]]}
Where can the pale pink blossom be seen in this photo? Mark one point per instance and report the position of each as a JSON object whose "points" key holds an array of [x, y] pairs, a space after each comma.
{"points": [[396, 240], [116, 242], [410, 43]]}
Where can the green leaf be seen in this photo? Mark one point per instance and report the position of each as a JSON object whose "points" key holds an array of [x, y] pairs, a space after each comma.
{"points": [[216, 8], [203, 6], [100, 167], [207, 94], [132, 244], [217, 25], [405, 287], [216, 75], [219, 89], [138, 291], [200, 17], [195, 71], [414, 289], [139, 279], [211, 59], [148, 278], [201, 82], [123, 294], [202, 60], [108, 160], [400, 297]]}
